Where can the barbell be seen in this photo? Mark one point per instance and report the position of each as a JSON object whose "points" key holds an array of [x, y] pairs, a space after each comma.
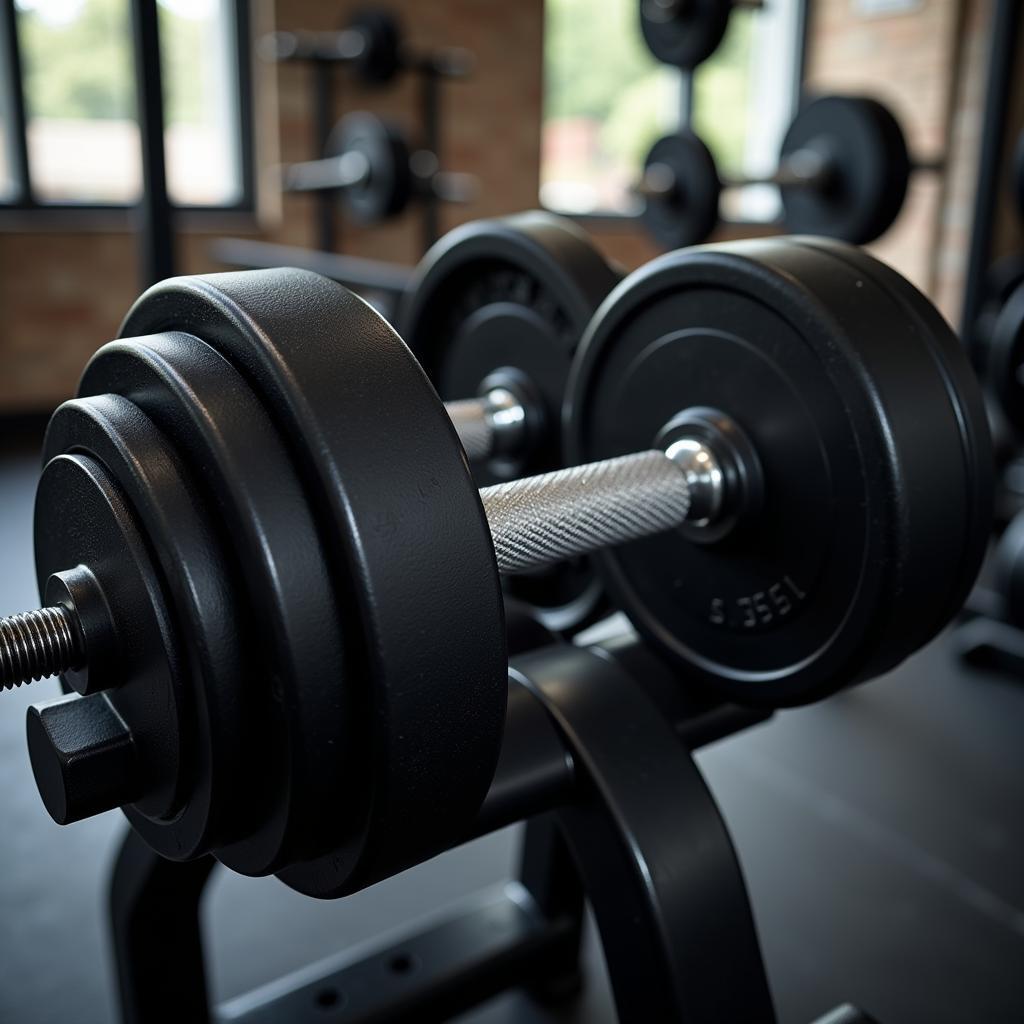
{"points": [[843, 172], [369, 163], [371, 45], [270, 575]]}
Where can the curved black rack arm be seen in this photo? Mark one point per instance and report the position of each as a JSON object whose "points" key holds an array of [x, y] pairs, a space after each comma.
{"points": [[600, 764]]}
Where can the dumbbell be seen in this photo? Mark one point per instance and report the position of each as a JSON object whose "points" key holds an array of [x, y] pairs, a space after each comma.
{"points": [[843, 173], [270, 574], [684, 33], [494, 314], [371, 45], [375, 172]]}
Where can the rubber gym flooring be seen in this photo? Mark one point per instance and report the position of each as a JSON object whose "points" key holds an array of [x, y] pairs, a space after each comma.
{"points": [[881, 833]]}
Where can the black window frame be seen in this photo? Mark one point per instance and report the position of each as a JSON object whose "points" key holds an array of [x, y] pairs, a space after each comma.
{"points": [[12, 93]]}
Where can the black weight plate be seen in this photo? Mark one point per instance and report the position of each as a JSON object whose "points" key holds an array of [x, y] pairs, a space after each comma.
{"points": [[688, 214], [873, 448], [82, 518], [1001, 281], [514, 293], [870, 169], [387, 188], [404, 539], [169, 514], [306, 731], [1005, 359], [381, 58], [684, 33], [1009, 565], [509, 299]]}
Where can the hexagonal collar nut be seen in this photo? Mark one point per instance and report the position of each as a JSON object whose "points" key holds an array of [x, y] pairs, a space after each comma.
{"points": [[83, 757]]}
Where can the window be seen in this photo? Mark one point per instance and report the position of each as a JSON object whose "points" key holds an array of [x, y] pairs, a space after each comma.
{"points": [[607, 100], [77, 94]]}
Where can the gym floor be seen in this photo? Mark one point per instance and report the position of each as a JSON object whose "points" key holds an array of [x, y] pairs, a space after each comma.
{"points": [[881, 833]]}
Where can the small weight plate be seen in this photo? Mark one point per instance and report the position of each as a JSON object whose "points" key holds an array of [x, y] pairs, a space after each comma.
{"points": [[166, 511], [387, 188], [684, 33], [82, 518], [404, 540], [1004, 367], [872, 444], [688, 214], [381, 58], [507, 300], [303, 719], [870, 169]]}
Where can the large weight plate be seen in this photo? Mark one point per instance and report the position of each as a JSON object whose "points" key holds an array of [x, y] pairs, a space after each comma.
{"points": [[684, 33], [873, 447], [404, 541], [688, 214], [387, 188], [509, 299], [870, 169]]}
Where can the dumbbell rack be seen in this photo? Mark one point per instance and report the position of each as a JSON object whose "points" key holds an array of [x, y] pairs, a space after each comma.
{"points": [[618, 814]]}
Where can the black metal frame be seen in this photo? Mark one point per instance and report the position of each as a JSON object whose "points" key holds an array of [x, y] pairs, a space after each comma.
{"points": [[619, 813], [325, 87], [11, 81], [1001, 69]]}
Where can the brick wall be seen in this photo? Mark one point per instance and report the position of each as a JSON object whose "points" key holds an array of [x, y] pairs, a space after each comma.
{"points": [[62, 293]]}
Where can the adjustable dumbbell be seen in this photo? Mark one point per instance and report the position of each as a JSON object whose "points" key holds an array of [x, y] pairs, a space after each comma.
{"points": [[843, 172], [684, 33], [376, 174], [494, 314], [371, 44], [272, 575]]}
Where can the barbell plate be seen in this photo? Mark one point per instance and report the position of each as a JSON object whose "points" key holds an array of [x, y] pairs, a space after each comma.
{"points": [[506, 301], [689, 213], [404, 540], [387, 188], [871, 169], [873, 447], [686, 35]]}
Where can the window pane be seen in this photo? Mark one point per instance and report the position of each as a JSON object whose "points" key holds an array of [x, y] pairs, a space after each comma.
{"points": [[198, 46], [744, 100], [79, 100], [606, 99]]}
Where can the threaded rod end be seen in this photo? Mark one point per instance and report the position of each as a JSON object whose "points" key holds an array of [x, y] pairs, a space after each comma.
{"points": [[35, 645]]}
